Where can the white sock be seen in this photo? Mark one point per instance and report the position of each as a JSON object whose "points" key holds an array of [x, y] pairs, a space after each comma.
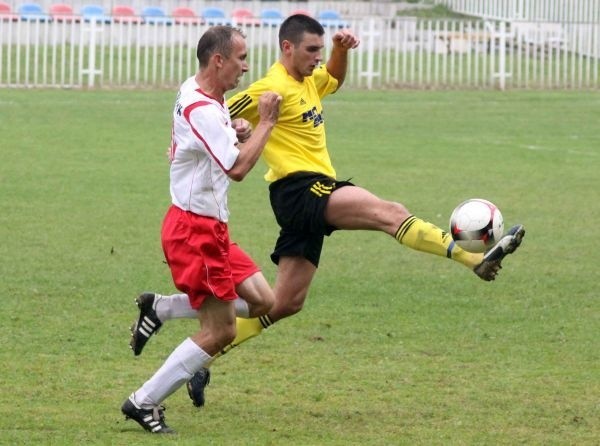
{"points": [[179, 368], [174, 307], [241, 308]]}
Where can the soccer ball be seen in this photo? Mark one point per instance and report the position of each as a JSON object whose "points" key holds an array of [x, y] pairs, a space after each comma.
{"points": [[476, 225]]}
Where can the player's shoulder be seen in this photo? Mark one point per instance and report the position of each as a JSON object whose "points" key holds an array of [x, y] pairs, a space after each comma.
{"points": [[276, 79], [191, 95]]}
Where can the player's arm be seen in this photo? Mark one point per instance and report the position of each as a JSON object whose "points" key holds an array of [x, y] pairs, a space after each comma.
{"points": [[250, 151], [337, 65]]}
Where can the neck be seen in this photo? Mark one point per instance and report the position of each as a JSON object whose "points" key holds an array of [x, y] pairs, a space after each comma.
{"points": [[209, 86], [289, 68]]}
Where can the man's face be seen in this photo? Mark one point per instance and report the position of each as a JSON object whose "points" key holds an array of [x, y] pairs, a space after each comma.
{"points": [[235, 65], [306, 55]]}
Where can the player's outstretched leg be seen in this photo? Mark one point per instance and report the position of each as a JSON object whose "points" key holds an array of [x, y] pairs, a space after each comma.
{"points": [[492, 259], [147, 324]]}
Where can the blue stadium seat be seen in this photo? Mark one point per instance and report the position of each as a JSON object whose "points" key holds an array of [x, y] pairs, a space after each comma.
{"points": [[215, 16], [32, 12], [331, 19], [94, 13], [155, 15], [271, 17]]}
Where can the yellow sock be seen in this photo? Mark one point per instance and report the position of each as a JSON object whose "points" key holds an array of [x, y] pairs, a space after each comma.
{"points": [[426, 237], [246, 329]]}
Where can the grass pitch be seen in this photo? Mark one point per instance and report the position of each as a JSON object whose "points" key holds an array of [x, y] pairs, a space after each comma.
{"points": [[392, 347]]}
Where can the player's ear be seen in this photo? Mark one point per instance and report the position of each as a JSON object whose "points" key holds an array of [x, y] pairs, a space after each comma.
{"points": [[286, 46], [218, 59]]}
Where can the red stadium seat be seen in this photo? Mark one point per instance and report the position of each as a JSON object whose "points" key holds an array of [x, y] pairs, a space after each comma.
{"points": [[125, 14], [244, 17], [185, 15], [301, 11], [6, 14], [63, 13]]}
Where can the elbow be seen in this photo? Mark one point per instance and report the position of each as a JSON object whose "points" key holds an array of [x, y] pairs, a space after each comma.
{"points": [[236, 175]]}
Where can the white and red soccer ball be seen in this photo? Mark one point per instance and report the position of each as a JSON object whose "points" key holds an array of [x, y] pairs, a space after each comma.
{"points": [[476, 225]]}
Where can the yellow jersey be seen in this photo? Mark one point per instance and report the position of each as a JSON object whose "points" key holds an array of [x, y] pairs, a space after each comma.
{"points": [[297, 142]]}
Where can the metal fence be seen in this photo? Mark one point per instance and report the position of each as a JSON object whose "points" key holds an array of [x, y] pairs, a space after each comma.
{"points": [[397, 52]]}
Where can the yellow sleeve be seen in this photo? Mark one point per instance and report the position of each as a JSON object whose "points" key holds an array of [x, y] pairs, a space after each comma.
{"points": [[245, 103], [325, 82]]}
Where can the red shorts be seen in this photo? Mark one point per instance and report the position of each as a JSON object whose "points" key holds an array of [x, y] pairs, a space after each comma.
{"points": [[202, 259]]}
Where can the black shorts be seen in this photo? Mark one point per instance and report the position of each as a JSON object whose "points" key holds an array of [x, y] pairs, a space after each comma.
{"points": [[298, 201]]}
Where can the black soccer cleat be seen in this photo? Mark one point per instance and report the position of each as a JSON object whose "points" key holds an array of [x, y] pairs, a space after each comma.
{"points": [[196, 385], [491, 264], [152, 420], [147, 324]]}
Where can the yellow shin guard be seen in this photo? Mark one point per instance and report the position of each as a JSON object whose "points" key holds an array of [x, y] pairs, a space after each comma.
{"points": [[246, 329]]}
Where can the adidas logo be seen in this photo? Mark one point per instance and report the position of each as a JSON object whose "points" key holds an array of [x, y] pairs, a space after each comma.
{"points": [[147, 327], [320, 189]]}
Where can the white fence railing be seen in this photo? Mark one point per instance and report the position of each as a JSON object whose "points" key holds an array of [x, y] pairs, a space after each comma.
{"points": [[399, 52], [587, 11]]}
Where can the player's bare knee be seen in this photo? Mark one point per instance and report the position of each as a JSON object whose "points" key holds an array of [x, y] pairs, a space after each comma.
{"points": [[393, 215]]}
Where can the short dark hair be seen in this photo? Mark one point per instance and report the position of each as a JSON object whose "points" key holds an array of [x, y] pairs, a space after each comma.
{"points": [[294, 27], [217, 39]]}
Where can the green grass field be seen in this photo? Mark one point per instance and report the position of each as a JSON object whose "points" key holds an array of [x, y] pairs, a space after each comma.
{"points": [[393, 347]]}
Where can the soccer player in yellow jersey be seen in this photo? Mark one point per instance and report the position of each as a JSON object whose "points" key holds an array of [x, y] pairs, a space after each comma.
{"points": [[307, 199]]}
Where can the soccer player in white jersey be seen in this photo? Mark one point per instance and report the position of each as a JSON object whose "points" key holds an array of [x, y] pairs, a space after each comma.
{"points": [[308, 201], [205, 153]]}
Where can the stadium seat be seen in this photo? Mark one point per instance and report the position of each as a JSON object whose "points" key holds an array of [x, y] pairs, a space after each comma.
{"points": [[244, 17], [331, 19], [62, 12], [301, 11], [271, 17], [185, 15], [215, 16], [155, 15], [32, 12], [6, 14], [125, 14], [94, 13]]}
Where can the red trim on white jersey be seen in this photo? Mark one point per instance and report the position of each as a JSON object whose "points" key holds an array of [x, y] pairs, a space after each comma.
{"points": [[186, 113]]}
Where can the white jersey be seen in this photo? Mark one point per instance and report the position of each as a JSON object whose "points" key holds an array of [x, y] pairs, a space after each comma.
{"points": [[203, 149]]}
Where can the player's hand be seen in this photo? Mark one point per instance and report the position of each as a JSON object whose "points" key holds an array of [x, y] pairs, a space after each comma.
{"points": [[345, 40], [242, 128], [268, 106]]}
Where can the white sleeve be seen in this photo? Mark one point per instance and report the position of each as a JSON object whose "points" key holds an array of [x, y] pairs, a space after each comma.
{"points": [[218, 136]]}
